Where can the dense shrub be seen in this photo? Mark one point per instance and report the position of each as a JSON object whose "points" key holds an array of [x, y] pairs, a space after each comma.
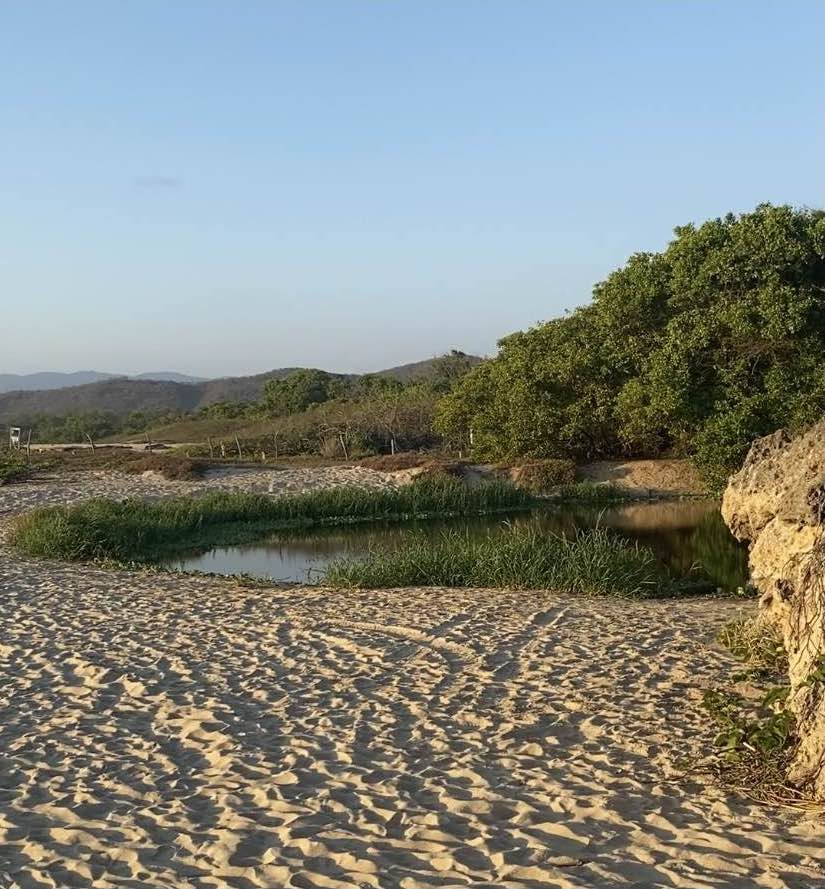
{"points": [[170, 466], [541, 476], [693, 351], [12, 469]]}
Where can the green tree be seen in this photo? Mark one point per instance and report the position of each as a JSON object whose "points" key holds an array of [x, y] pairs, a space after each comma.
{"points": [[696, 350], [302, 388]]}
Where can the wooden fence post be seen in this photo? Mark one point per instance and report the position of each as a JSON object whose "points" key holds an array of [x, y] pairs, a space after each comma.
{"points": [[240, 453], [91, 442]]}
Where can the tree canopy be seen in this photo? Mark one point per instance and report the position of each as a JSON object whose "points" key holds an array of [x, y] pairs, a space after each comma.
{"points": [[693, 351]]}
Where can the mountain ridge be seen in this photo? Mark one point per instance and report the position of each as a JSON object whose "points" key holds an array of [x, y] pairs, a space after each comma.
{"points": [[50, 380], [122, 396]]}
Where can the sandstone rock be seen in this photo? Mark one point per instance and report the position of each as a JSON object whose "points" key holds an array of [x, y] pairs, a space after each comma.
{"points": [[777, 503]]}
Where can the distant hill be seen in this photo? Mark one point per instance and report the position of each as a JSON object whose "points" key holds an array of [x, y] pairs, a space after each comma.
{"points": [[47, 380], [122, 395], [28, 382], [169, 376], [418, 369]]}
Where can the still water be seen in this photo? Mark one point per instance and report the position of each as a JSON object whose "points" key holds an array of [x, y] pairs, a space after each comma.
{"points": [[685, 535]]}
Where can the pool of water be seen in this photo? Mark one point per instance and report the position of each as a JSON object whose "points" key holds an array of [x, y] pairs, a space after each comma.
{"points": [[685, 535]]}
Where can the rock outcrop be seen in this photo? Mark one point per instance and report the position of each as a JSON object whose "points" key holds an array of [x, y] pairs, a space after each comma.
{"points": [[777, 503]]}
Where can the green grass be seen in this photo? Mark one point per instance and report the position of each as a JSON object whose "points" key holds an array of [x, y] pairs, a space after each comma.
{"points": [[759, 644], [12, 469], [143, 531], [594, 493], [593, 562]]}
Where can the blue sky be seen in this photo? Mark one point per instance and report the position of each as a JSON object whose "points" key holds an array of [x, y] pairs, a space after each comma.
{"points": [[226, 187]]}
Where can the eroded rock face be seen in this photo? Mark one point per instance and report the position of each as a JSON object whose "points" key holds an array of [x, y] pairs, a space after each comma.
{"points": [[777, 502]]}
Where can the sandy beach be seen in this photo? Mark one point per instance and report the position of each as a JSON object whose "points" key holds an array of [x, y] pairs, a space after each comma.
{"points": [[187, 731]]}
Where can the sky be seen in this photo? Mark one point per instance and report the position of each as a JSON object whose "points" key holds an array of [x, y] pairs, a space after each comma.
{"points": [[220, 187]]}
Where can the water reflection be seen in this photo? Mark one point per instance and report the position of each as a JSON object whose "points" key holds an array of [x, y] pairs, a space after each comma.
{"points": [[688, 536]]}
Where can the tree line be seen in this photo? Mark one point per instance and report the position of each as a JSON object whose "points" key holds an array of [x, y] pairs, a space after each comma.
{"points": [[694, 351]]}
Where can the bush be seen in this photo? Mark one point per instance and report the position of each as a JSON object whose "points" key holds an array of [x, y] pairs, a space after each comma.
{"points": [[395, 462], [541, 476], [694, 351], [13, 469], [454, 470], [591, 562], [594, 492], [169, 466]]}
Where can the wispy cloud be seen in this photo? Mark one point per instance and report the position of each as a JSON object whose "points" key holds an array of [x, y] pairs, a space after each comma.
{"points": [[158, 182]]}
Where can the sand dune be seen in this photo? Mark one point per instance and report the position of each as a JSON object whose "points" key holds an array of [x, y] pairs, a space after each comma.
{"points": [[72, 487], [168, 731]]}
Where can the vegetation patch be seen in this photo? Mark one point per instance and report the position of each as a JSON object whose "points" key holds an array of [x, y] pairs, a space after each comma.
{"points": [[693, 351], [756, 740], [135, 530], [754, 744], [13, 469], [593, 562], [759, 644], [170, 466], [593, 492], [542, 476], [395, 462]]}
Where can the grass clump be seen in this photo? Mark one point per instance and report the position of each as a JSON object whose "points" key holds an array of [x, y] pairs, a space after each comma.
{"points": [[542, 476], [170, 466], [395, 462], [593, 562], [759, 644], [593, 492], [13, 469], [135, 530]]}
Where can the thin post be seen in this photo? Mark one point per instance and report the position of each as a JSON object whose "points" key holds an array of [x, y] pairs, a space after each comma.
{"points": [[91, 442], [29, 446], [240, 452], [211, 447]]}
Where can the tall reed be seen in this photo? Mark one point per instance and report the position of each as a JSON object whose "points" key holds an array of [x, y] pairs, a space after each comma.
{"points": [[139, 530], [590, 562]]}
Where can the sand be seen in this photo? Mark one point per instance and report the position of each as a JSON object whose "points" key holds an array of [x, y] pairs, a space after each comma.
{"points": [[664, 477], [187, 731], [71, 487]]}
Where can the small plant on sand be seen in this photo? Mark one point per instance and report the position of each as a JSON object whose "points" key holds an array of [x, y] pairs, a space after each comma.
{"points": [[170, 466], [755, 742], [395, 462], [759, 644], [591, 562], [13, 469], [593, 493], [542, 476]]}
